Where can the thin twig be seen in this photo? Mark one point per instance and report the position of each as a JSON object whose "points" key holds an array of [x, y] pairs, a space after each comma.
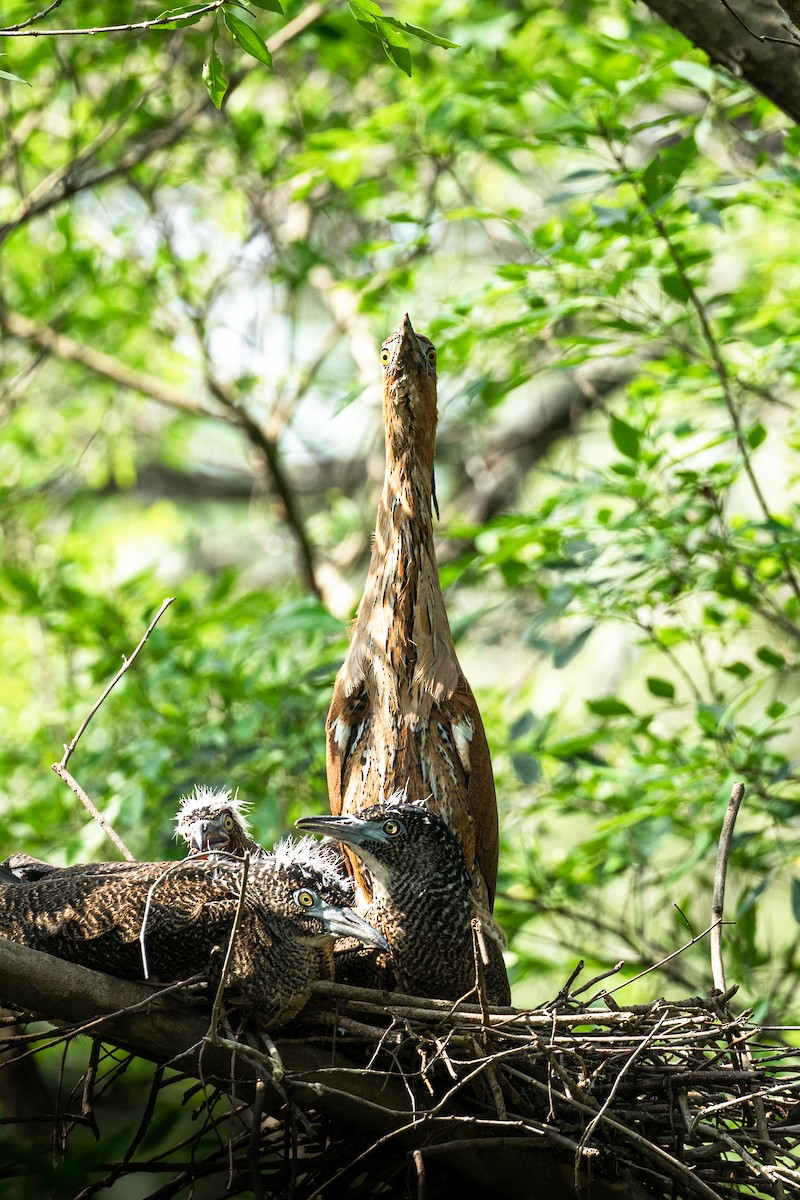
{"points": [[590, 1128], [127, 662], [39, 16], [763, 37], [215, 1010], [25, 30], [107, 829], [720, 874], [654, 967], [143, 929], [60, 768]]}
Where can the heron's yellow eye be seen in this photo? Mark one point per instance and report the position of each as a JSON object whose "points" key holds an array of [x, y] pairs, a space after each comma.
{"points": [[392, 827], [384, 355], [304, 898], [431, 356], [229, 822]]}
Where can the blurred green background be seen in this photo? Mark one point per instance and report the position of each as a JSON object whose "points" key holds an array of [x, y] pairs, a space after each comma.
{"points": [[600, 233]]}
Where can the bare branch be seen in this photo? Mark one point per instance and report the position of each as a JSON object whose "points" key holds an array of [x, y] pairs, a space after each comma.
{"points": [[105, 365], [38, 16], [95, 813], [229, 411], [720, 873], [24, 29], [60, 768], [128, 662], [223, 979]]}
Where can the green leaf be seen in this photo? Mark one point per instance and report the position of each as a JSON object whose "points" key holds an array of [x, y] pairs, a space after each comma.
{"points": [[367, 13], [527, 768], [246, 37], [708, 716], [523, 724], [214, 76], [370, 17], [770, 657], [422, 34], [739, 669], [565, 654], [662, 174], [695, 73], [268, 5], [674, 286], [178, 18], [13, 78], [756, 436], [625, 438], [609, 706], [660, 687], [399, 55], [795, 894]]}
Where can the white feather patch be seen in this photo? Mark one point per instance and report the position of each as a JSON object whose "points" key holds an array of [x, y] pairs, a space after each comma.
{"points": [[341, 734], [463, 731]]}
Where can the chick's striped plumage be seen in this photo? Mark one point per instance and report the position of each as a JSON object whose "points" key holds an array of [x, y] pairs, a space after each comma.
{"points": [[177, 918]]}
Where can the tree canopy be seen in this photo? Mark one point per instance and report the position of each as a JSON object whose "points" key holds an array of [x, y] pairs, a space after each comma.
{"points": [[209, 227]]}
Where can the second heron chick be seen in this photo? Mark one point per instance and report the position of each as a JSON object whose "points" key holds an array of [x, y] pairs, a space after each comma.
{"points": [[421, 900], [215, 822]]}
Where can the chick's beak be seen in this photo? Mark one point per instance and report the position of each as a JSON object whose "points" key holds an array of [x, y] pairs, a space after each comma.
{"points": [[345, 922], [351, 830], [204, 836]]}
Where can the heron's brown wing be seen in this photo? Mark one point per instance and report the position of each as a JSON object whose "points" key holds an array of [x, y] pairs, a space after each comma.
{"points": [[347, 717], [481, 799], [345, 731]]}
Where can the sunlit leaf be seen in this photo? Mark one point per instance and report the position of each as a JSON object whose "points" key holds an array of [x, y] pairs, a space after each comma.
{"points": [[247, 37]]}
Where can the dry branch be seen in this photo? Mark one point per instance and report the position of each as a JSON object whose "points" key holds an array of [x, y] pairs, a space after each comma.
{"points": [[60, 768], [720, 875]]}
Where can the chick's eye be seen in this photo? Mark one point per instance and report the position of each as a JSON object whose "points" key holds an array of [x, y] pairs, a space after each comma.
{"points": [[384, 355], [431, 356], [228, 822], [304, 898], [391, 827]]}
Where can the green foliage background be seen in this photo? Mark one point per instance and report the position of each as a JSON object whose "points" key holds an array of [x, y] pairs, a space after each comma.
{"points": [[601, 235]]}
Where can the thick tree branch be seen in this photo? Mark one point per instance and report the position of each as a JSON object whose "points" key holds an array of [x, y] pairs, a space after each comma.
{"points": [[159, 1028], [771, 67]]}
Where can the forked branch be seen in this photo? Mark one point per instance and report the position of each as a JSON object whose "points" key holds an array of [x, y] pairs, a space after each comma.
{"points": [[720, 875], [60, 768]]}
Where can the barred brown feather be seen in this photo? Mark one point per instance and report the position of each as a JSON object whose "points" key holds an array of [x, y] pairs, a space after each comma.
{"points": [[403, 715]]}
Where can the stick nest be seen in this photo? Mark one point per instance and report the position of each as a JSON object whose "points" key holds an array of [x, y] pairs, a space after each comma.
{"points": [[669, 1099]]}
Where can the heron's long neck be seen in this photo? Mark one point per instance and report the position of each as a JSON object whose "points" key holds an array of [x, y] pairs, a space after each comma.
{"points": [[402, 550], [401, 639]]}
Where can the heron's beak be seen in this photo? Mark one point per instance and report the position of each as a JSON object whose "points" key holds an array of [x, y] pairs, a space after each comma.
{"points": [[351, 830], [345, 922], [408, 350]]}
